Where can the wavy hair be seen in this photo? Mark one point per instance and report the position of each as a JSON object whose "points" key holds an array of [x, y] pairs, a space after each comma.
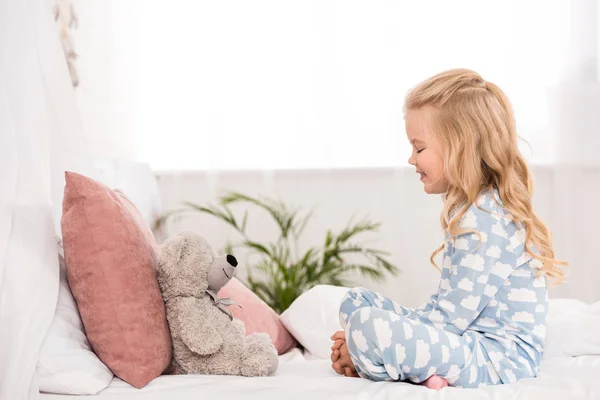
{"points": [[475, 124]]}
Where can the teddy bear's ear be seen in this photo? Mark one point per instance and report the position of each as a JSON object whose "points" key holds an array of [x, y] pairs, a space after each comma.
{"points": [[169, 254]]}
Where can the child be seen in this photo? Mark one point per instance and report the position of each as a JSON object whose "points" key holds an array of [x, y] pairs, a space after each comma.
{"points": [[486, 323]]}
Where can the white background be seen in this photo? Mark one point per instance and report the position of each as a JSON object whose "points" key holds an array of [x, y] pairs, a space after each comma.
{"points": [[300, 84]]}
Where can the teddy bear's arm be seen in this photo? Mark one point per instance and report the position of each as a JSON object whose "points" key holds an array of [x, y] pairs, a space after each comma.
{"points": [[197, 332]]}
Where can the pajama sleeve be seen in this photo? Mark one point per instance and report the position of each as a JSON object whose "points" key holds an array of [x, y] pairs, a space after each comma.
{"points": [[474, 268]]}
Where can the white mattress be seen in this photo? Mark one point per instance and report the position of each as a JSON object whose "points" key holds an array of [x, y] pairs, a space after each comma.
{"points": [[304, 377]]}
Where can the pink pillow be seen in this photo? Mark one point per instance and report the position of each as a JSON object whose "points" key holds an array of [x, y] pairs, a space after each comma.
{"points": [[110, 257], [257, 315]]}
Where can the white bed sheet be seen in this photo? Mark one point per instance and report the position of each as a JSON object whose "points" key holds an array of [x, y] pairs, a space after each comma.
{"points": [[303, 377]]}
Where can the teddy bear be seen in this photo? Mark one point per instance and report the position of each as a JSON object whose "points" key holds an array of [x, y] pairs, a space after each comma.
{"points": [[206, 338]]}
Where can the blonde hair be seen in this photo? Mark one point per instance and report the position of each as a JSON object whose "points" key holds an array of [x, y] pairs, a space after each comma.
{"points": [[475, 124]]}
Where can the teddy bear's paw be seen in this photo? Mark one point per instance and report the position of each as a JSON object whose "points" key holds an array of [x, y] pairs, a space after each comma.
{"points": [[260, 357], [260, 364], [259, 339], [239, 326]]}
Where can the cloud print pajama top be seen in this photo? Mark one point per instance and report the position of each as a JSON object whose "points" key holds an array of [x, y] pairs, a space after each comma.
{"points": [[484, 326]]}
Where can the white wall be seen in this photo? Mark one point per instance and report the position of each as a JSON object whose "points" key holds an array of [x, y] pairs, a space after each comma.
{"points": [[303, 76], [394, 197]]}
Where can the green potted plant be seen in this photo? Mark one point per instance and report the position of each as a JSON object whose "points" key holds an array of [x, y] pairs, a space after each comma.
{"points": [[286, 273]]}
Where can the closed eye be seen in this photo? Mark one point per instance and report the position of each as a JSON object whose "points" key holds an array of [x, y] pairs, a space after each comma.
{"points": [[418, 151]]}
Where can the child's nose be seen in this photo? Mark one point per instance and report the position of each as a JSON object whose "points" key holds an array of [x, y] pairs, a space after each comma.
{"points": [[411, 160]]}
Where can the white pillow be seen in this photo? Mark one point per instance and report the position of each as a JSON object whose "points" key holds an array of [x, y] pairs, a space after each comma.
{"points": [[573, 327], [313, 317], [66, 364]]}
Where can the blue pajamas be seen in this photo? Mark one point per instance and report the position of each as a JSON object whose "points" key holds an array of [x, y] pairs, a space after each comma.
{"points": [[387, 345], [484, 326]]}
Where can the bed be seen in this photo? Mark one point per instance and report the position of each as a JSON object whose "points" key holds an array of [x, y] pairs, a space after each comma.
{"points": [[302, 376], [570, 368]]}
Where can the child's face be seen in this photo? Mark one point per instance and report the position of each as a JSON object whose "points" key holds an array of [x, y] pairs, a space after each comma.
{"points": [[426, 152]]}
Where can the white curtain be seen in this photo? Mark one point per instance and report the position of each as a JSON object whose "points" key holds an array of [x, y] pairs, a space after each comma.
{"points": [[40, 137]]}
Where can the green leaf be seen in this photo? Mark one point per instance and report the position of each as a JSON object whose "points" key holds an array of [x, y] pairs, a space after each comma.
{"points": [[244, 221], [258, 247], [354, 230], [301, 225], [224, 214], [370, 272], [307, 266], [277, 210], [328, 239], [309, 257], [381, 261]]}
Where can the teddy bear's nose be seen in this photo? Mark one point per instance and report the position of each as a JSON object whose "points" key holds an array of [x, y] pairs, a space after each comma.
{"points": [[232, 260]]}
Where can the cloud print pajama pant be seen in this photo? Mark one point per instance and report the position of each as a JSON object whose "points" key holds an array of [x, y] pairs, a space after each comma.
{"points": [[386, 344]]}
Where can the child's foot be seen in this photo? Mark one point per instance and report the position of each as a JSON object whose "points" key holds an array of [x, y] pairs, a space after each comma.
{"points": [[335, 350], [339, 338], [435, 382], [344, 365]]}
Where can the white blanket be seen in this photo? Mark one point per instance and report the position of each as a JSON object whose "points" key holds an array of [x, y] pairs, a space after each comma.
{"points": [[304, 377], [570, 369]]}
